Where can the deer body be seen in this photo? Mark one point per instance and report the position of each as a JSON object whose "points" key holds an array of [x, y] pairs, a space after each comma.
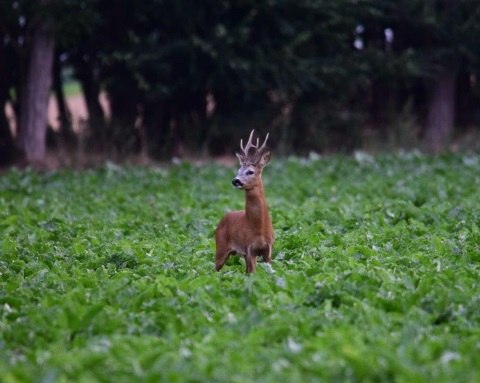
{"points": [[248, 232]]}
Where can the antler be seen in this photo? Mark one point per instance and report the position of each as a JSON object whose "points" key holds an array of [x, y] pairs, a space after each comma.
{"points": [[249, 145], [263, 147]]}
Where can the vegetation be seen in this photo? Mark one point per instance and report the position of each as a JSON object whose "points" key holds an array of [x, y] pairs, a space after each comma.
{"points": [[182, 78], [108, 275], [72, 88]]}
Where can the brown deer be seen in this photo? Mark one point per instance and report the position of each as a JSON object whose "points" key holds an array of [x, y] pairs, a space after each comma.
{"points": [[248, 232]]}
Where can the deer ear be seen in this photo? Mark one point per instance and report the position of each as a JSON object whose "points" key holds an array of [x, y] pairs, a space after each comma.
{"points": [[265, 158]]}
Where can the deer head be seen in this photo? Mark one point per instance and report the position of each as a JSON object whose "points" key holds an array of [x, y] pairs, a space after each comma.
{"points": [[252, 161]]}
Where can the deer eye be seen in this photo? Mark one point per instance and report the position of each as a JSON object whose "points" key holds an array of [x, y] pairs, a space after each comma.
{"points": [[249, 173]]}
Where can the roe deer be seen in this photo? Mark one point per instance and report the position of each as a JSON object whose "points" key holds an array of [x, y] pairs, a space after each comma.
{"points": [[247, 232]]}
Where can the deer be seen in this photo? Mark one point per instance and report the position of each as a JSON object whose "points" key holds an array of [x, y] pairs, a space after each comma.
{"points": [[249, 232]]}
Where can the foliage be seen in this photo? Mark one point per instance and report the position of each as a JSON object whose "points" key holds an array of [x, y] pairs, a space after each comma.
{"points": [[326, 70], [107, 275]]}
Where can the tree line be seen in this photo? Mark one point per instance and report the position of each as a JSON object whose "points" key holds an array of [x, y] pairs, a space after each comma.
{"points": [[189, 76]]}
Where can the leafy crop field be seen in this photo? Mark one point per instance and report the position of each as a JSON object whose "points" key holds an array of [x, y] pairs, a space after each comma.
{"points": [[107, 275]]}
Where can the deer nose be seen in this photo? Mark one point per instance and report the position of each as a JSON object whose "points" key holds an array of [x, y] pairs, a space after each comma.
{"points": [[237, 183]]}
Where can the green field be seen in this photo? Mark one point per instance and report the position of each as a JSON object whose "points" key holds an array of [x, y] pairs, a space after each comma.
{"points": [[72, 88], [107, 275]]}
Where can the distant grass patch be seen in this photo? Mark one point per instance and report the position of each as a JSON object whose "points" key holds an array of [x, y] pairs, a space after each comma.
{"points": [[72, 88], [108, 275]]}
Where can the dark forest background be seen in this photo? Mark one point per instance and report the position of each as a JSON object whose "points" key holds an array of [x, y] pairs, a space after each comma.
{"points": [[192, 77]]}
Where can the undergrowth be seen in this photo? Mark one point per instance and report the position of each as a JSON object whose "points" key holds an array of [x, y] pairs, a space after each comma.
{"points": [[108, 275]]}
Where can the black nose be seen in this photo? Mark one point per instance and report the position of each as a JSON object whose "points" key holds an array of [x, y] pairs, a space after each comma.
{"points": [[236, 182]]}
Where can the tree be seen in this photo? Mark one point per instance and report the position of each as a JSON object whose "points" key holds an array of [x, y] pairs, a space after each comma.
{"points": [[441, 110], [444, 42], [30, 31], [32, 127], [183, 76], [6, 138]]}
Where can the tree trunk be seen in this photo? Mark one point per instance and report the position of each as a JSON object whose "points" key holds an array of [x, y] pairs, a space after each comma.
{"points": [[156, 124], [91, 90], [6, 139], [441, 111], [465, 102], [63, 112], [122, 134], [34, 99]]}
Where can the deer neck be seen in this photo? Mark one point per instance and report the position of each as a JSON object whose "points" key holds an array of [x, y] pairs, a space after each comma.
{"points": [[256, 208]]}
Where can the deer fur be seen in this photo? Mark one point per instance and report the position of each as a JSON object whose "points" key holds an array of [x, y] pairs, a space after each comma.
{"points": [[248, 232]]}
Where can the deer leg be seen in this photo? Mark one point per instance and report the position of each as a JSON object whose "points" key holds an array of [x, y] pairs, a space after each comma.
{"points": [[221, 253], [251, 259], [267, 256], [221, 257], [251, 262]]}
